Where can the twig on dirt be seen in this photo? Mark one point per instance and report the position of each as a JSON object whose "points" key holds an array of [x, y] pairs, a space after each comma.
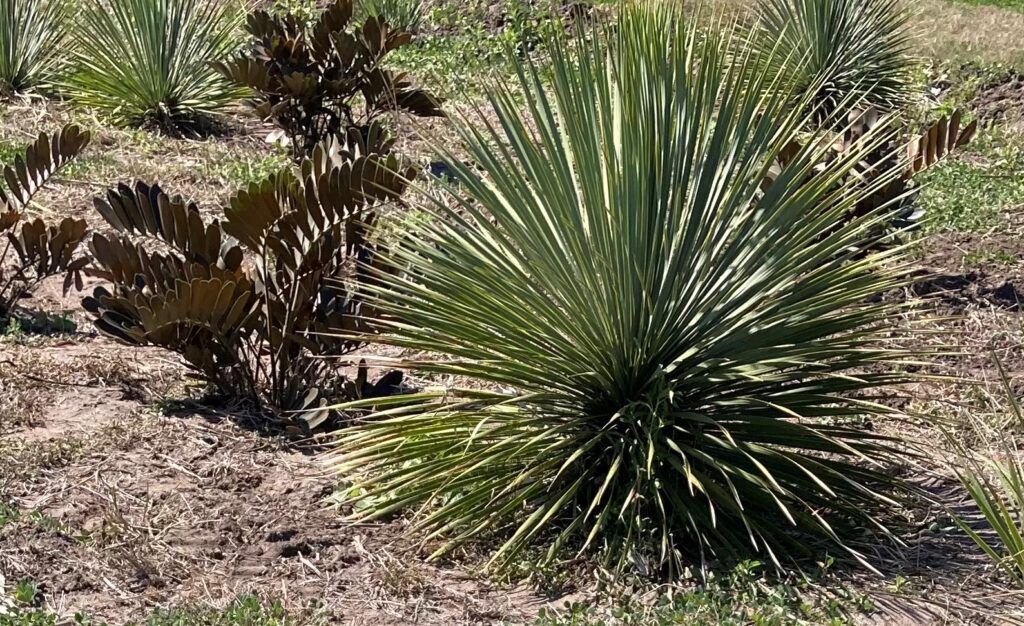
{"points": [[174, 464], [312, 567], [48, 381]]}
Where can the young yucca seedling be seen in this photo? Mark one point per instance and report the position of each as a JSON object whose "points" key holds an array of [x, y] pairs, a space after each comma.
{"points": [[32, 36], [149, 61], [673, 349], [843, 53], [996, 485]]}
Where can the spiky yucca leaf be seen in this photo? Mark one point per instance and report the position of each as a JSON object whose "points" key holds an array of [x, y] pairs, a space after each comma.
{"points": [[32, 35], [844, 53], [995, 483], [670, 356], [149, 61]]}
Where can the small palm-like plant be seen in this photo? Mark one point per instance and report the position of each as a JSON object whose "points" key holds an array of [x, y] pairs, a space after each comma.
{"points": [[149, 61], [323, 80], [673, 349], [253, 303], [846, 53], [917, 153], [32, 35], [32, 250]]}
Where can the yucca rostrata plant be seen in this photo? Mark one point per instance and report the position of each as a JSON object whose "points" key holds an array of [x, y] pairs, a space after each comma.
{"points": [[148, 62], [316, 83], [32, 42], [841, 54], [673, 359], [33, 250], [254, 303]]}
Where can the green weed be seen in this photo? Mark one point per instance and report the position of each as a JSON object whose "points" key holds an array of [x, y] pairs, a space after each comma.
{"points": [[242, 171], [10, 514], [9, 150], [741, 598], [1017, 5], [989, 257], [244, 611], [467, 49], [970, 194]]}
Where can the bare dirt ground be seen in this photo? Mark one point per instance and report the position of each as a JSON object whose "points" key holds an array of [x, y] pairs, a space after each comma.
{"points": [[123, 509]]}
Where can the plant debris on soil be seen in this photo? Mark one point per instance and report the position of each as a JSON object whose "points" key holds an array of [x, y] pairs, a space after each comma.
{"points": [[122, 509], [1000, 100]]}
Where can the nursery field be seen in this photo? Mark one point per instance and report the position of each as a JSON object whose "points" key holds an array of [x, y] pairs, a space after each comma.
{"points": [[141, 485]]}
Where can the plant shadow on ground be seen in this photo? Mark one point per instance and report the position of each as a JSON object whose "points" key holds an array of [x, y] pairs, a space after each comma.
{"points": [[217, 408]]}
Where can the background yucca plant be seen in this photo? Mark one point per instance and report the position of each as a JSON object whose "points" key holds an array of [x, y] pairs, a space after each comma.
{"points": [[845, 53], [149, 61], [405, 15], [673, 353], [32, 42]]}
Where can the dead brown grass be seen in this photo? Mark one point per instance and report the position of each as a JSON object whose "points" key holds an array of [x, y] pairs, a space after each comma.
{"points": [[951, 31], [944, 30]]}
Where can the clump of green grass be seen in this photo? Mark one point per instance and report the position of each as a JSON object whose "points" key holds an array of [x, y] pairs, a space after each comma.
{"points": [[989, 257], [244, 170], [243, 611], [305, 11], [9, 150], [1017, 5], [972, 192], [453, 61], [739, 598], [10, 514]]}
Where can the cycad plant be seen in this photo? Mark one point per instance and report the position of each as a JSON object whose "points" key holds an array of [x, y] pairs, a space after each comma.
{"points": [[32, 250], [842, 53], [672, 350], [253, 303], [149, 61], [32, 36], [323, 80]]}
